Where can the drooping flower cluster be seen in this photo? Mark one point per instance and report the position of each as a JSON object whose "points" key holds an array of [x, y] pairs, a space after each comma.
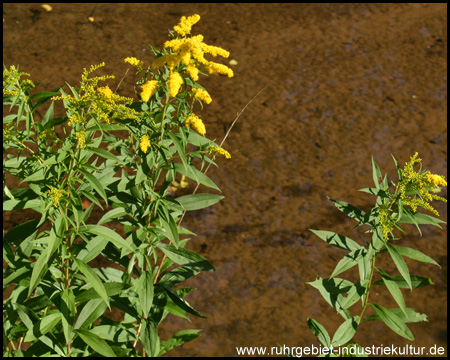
{"points": [[415, 187], [194, 122], [137, 64], [201, 95], [190, 52], [12, 83], [81, 138], [175, 82], [214, 150]]}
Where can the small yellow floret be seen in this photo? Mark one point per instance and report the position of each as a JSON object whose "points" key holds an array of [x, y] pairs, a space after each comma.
{"points": [[214, 150], [138, 64], [144, 143]]}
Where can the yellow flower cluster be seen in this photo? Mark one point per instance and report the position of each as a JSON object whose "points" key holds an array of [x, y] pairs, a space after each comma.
{"points": [[418, 184], [201, 95], [175, 82], [81, 138], [12, 82], [386, 225], [47, 134], [196, 123], [101, 101], [137, 64], [184, 26], [188, 51], [214, 150], [56, 194], [144, 143], [148, 90]]}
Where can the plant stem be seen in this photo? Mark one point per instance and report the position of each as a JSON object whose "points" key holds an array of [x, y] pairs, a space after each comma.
{"points": [[366, 300]]}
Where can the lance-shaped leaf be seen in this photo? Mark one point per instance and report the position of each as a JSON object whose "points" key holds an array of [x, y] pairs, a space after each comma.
{"points": [[337, 240], [198, 201], [355, 293], [111, 236], [376, 173], [90, 312], [183, 304], [149, 337], [318, 330], [186, 258], [96, 185], [345, 332], [196, 175], [393, 289], [411, 316], [43, 326], [400, 263], [393, 321], [96, 343], [417, 281], [351, 211], [415, 254], [144, 289], [348, 261], [93, 280]]}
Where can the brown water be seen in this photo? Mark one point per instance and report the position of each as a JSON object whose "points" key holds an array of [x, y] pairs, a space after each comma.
{"points": [[345, 81]]}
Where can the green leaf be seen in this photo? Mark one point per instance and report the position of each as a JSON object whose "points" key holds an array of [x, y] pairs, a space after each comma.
{"points": [[417, 281], [394, 322], [318, 330], [399, 171], [48, 115], [393, 289], [149, 337], [43, 326], [95, 184], [376, 173], [337, 240], [186, 258], [170, 229], [355, 293], [96, 343], [194, 174], [348, 261], [112, 289], [111, 236], [39, 269], [198, 201], [183, 304], [21, 231], [345, 332], [351, 211], [400, 263], [415, 254], [93, 280], [409, 217], [105, 154], [332, 290], [113, 214], [144, 289], [411, 316], [178, 339], [114, 333], [179, 148], [90, 312]]}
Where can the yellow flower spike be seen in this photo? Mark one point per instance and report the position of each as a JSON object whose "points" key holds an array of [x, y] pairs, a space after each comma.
{"points": [[144, 143], [81, 138], [201, 95], [148, 90], [196, 123], [184, 26], [137, 64], [175, 81]]}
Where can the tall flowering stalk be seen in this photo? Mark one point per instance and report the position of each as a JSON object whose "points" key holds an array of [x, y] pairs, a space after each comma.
{"points": [[414, 189], [121, 157]]}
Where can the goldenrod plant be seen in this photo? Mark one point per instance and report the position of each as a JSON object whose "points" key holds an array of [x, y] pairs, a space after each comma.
{"points": [[394, 206], [121, 157]]}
